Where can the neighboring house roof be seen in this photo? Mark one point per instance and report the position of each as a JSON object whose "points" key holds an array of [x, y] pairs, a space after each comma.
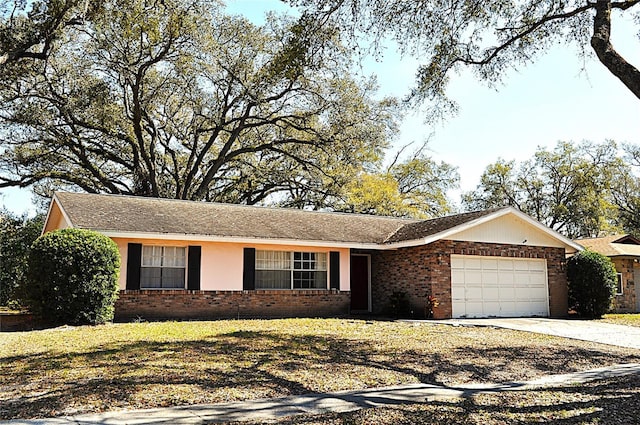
{"points": [[140, 217], [613, 246]]}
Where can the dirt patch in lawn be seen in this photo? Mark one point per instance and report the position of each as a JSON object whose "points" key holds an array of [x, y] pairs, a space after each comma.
{"points": [[90, 369]]}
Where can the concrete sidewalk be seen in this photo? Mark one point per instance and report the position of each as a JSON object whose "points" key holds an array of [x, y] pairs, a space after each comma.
{"points": [[345, 401], [585, 330]]}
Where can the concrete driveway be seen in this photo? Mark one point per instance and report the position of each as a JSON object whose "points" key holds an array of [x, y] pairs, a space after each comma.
{"points": [[586, 330]]}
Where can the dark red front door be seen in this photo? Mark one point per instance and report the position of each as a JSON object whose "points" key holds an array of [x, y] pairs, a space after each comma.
{"points": [[359, 282]]}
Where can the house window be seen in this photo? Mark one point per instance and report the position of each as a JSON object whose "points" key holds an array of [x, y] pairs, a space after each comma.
{"points": [[163, 267], [291, 270], [619, 284]]}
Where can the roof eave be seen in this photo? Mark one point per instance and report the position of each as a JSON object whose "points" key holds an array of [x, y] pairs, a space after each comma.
{"points": [[480, 220], [238, 239], [55, 200]]}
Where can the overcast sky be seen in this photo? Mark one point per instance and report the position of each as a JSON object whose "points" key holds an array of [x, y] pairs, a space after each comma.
{"points": [[557, 98]]}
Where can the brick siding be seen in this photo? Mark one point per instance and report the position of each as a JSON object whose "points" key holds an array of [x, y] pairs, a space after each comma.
{"points": [[184, 304], [426, 270]]}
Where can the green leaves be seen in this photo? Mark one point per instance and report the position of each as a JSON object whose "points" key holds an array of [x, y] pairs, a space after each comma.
{"points": [[490, 37], [16, 236], [416, 187], [73, 277], [175, 99], [592, 283], [568, 189]]}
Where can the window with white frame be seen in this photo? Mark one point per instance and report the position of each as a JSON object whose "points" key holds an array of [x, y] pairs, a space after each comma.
{"points": [[619, 284], [163, 267], [291, 270]]}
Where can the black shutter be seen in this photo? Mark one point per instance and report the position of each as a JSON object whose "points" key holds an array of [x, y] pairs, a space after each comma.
{"points": [[249, 271], [334, 270], [193, 277], [134, 262]]}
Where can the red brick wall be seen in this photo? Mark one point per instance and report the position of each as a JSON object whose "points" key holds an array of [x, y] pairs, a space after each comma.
{"points": [[426, 270], [183, 304], [625, 303], [407, 270]]}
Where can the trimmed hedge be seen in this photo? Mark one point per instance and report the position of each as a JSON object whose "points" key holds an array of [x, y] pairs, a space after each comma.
{"points": [[592, 283], [73, 277]]}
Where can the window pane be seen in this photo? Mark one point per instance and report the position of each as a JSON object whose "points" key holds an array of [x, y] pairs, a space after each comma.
{"points": [[163, 267], [152, 256], [273, 279], [273, 260], [619, 284], [174, 256], [321, 261], [150, 277], [173, 278], [310, 280]]}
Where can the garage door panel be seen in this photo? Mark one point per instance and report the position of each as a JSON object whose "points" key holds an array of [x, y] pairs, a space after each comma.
{"points": [[471, 263], [473, 293], [457, 277], [505, 265], [489, 264], [537, 266], [457, 262], [507, 293], [474, 309], [491, 308], [473, 277], [508, 308], [494, 287], [490, 278], [522, 277], [490, 293], [524, 294], [458, 292], [506, 279], [538, 279]]}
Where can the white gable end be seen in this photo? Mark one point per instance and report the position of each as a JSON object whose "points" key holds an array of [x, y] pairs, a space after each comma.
{"points": [[507, 229]]}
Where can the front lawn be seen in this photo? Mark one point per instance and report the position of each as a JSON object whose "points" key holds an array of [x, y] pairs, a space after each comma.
{"points": [[606, 402], [630, 319], [68, 371]]}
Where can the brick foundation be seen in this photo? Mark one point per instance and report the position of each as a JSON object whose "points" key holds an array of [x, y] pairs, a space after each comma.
{"points": [[183, 304], [426, 270]]}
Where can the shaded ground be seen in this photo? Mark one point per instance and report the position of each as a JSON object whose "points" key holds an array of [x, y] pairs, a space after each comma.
{"points": [[69, 371], [609, 402]]}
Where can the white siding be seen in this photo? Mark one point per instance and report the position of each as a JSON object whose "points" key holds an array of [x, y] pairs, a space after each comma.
{"points": [[507, 229]]}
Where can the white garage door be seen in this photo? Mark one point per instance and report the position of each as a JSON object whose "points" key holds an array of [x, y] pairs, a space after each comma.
{"points": [[498, 287]]}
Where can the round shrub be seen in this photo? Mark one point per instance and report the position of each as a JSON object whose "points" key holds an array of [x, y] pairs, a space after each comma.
{"points": [[73, 277], [592, 283]]}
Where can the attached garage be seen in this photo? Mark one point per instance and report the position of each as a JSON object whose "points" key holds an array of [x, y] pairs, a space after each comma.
{"points": [[498, 287]]}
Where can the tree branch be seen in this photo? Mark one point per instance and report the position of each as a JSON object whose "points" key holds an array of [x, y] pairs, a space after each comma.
{"points": [[601, 44]]}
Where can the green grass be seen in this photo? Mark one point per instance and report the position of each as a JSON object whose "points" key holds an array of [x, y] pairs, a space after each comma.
{"points": [[67, 371], [629, 319]]}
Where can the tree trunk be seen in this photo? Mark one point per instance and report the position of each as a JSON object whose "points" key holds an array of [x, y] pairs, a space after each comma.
{"points": [[601, 43]]}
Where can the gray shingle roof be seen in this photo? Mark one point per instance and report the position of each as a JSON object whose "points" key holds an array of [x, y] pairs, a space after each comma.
{"points": [[115, 213], [426, 228], [613, 245]]}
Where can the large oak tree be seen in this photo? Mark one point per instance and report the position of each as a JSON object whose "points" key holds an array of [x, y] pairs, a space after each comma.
{"points": [[489, 36], [176, 99]]}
